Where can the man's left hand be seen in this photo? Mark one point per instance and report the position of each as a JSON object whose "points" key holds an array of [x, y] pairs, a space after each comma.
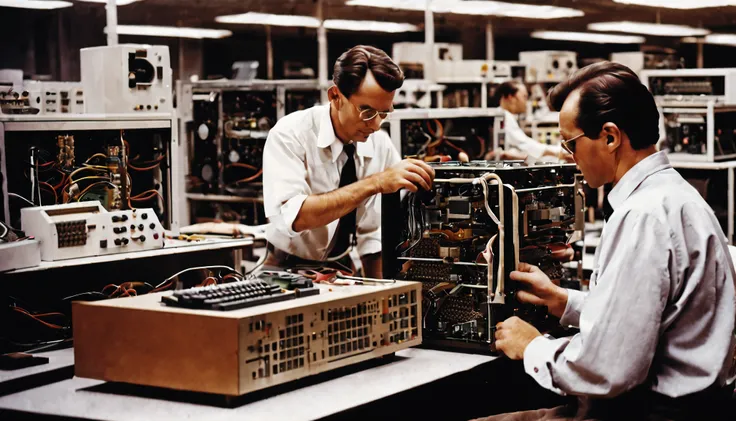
{"points": [[513, 335]]}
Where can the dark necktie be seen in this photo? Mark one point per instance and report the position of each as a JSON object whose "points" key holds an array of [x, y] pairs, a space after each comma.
{"points": [[607, 208], [347, 223]]}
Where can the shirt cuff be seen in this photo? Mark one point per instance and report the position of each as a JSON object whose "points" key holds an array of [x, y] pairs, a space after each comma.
{"points": [[571, 315], [538, 357], [289, 212]]}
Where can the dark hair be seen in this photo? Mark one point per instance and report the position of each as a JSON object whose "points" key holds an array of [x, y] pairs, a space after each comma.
{"points": [[611, 92], [506, 89], [352, 65]]}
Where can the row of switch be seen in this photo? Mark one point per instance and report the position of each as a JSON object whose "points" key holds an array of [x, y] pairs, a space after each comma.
{"points": [[141, 227], [125, 241], [123, 218]]}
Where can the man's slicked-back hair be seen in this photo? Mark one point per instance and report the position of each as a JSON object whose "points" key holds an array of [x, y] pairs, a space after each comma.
{"points": [[352, 66], [611, 92], [505, 90]]}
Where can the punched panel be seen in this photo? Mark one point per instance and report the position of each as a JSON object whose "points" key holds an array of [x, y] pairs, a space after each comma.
{"points": [[288, 344]]}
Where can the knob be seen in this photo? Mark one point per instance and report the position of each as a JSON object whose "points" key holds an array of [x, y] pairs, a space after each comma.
{"points": [[119, 230], [132, 227], [141, 227], [144, 216], [118, 242], [142, 238], [152, 226], [125, 241], [124, 217]]}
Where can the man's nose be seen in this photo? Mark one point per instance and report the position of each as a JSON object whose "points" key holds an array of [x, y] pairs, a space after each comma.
{"points": [[375, 123]]}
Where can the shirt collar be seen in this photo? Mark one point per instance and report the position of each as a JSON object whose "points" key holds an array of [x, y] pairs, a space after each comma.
{"points": [[636, 175], [326, 138]]}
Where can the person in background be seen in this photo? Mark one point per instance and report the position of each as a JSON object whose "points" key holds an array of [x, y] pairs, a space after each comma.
{"points": [[325, 167], [656, 337], [512, 97]]}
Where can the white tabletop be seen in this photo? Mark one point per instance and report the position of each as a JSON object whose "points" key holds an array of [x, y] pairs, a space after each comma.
{"points": [[412, 368]]}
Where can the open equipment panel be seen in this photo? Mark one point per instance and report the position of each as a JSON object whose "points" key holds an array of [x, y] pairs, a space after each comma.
{"points": [[443, 237], [124, 162], [226, 124], [425, 133]]}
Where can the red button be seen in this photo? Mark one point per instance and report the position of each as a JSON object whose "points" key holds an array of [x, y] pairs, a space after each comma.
{"points": [[536, 370], [155, 236]]}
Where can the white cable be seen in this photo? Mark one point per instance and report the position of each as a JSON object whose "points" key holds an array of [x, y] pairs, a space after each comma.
{"points": [[490, 212], [21, 197], [33, 176], [196, 268], [362, 279], [4, 232]]}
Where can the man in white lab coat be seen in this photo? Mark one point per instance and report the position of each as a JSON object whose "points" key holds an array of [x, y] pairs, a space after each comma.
{"points": [[513, 97]]}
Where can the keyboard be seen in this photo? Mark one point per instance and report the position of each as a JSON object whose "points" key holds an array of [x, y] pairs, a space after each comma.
{"points": [[233, 295]]}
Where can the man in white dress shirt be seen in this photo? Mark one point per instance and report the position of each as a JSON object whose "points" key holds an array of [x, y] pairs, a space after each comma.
{"points": [[323, 168], [656, 334], [513, 97]]}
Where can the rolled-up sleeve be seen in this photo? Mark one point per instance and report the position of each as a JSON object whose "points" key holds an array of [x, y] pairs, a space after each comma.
{"points": [[284, 180], [369, 225], [619, 319]]}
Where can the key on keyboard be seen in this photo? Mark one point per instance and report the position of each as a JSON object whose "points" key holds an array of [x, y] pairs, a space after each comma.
{"points": [[230, 296]]}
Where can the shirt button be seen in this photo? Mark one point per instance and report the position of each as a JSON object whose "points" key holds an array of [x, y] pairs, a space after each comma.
{"points": [[536, 370]]}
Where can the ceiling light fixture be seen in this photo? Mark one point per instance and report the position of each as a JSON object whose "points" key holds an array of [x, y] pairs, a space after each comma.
{"points": [[475, 7], [589, 37], [117, 2], [718, 39], [369, 26], [679, 4], [253, 18], [171, 31], [35, 4], [648, 29]]}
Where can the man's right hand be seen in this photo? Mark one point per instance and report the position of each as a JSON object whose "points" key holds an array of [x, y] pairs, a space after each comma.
{"points": [[539, 289], [408, 174]]}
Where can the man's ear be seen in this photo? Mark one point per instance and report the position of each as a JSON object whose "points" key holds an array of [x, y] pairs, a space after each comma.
{"points": [[612, 136], [333, 94]]}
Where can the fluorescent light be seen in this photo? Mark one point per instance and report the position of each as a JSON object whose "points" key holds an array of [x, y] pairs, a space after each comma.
{"points": [[648, 29], [679, 4], [171, 31], [369, 26], [589, 37], [117, 2], [34, 4], [254, 18], [719, 39], [475, 7]]}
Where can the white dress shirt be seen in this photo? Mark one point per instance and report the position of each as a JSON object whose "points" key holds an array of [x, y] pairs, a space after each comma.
{"points": [[661, 306], [517, 139], [304, 157]]}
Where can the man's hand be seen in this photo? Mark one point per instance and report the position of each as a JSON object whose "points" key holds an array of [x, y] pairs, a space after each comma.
{"points": [[408, 174], [513, 335], [539, 290]]}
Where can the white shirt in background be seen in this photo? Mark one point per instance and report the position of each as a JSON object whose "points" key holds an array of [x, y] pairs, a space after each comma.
{"points": [[517, 139], [302, 157]]}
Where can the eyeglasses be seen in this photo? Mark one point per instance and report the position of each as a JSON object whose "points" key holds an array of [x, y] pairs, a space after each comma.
{"points": [[569, 145], [369, 114]]}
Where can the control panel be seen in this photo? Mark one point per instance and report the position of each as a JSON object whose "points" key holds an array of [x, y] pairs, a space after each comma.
{"points": [[86, 229]]}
